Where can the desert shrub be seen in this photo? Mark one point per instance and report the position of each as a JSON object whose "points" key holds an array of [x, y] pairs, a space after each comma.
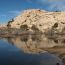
{"points": [[34, 28], [24, 27], [56, 11], [18, 24], [9, 23], [55, 25], [40, 25], [53, 29], [56, 41]]}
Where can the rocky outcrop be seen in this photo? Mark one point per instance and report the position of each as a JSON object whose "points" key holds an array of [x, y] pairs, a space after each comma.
{"points": [[44, 21]]}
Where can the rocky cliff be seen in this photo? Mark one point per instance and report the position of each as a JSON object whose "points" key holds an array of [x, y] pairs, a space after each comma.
{"points": [[44, 21]]}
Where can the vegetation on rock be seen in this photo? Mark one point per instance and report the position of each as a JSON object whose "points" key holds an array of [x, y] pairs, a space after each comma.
{"points": [[34, 28], [9, 23], [24, 27], [55, 25]]}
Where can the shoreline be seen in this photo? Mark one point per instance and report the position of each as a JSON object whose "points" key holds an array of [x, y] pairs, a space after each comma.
{"points": [[12, 32]]}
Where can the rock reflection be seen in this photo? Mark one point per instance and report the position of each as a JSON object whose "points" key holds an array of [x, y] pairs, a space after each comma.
{"points": [[37, 44], [24, 38]]}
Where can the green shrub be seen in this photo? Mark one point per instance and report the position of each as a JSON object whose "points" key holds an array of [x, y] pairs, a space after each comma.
{"points": [[34, 28], [55, 25], [24, 27], [9, 23]]}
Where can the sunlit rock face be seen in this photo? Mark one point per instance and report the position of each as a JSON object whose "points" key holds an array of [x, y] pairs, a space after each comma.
{"points": [[43, 20], [36, 43]]}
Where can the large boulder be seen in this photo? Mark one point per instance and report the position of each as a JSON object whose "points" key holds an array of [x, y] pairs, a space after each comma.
{"points": [[43, 20]]}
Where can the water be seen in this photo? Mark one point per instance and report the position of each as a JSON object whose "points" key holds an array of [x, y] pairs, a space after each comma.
{"points": [[32, 50]]}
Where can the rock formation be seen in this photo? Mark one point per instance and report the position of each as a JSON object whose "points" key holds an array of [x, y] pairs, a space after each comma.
{"points": [[44, 21]]}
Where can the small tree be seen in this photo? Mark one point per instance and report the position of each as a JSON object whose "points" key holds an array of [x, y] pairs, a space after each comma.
{"points": [[54, 29], [56, 11], [34, 28], [9, 23], [55, 25], [24, 27]]}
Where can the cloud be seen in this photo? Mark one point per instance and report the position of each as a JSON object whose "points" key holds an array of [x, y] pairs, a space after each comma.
{"points": [[53, 4]]}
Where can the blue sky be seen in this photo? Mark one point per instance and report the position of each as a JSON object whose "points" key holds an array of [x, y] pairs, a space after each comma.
{"points": [[11, 8]]}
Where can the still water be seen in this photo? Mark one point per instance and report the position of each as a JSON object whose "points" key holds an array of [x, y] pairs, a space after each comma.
{"points": [[31, 50]]}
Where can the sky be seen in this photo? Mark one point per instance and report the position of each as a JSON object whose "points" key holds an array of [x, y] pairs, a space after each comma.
{"points": [[11, 8]]}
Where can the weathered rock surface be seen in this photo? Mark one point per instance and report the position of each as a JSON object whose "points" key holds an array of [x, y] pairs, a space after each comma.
{"points": [[43, 20]]}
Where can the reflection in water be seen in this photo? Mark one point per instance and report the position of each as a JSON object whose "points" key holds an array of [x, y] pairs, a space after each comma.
{"points": [[32, 50], [35, 43]]}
